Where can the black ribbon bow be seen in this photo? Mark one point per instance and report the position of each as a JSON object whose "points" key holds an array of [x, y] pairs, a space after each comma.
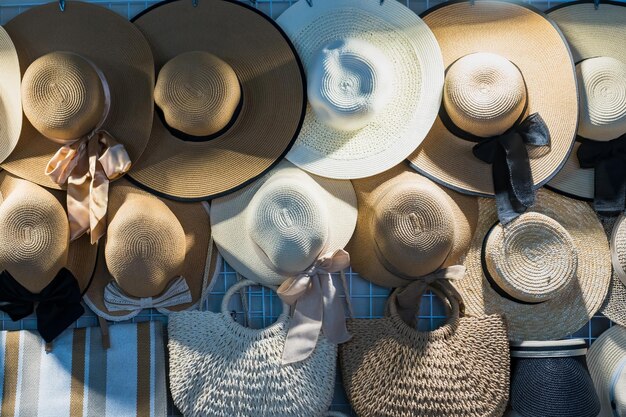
{"points": [[58, 303], [608, 159], [512, 177]]}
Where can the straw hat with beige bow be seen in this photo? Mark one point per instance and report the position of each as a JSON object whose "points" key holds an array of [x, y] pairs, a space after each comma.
{"points": [[289, 228], [509, 111], [87, 96], [42, 270], [157, 254]]}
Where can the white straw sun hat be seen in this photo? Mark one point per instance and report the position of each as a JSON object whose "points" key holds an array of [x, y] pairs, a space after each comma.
{"points": [[10, 96], [607, 363], [374, 74]]}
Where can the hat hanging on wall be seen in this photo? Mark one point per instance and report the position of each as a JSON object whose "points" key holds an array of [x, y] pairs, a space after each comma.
{"points": [[408, 227], [509, 112], [607, 364], [87, 95], [374, 74], [10, 96], [548, 271], [230, 97], [615, 303], [158, 254], [39, 263], [596, 169]]}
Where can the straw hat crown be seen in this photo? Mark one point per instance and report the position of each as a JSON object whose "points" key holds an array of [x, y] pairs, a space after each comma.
{"points": [[198, 93]]}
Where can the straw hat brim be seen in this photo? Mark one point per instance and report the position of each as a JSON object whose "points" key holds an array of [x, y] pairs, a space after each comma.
{"points": [[532, 42], [10, 96], [81, 256], [614, 306], [590, 32], [417, 87], [197, 271], [363, 257], [555, 318], [230, 225], [115, 46], [603, 358], [272, 108]]}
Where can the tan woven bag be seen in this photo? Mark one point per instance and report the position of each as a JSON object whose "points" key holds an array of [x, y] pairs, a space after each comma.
{"points": [[458, 370]]}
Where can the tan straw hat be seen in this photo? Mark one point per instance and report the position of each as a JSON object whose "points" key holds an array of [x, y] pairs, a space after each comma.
{"points": [[10, 96], [157, 254], [86, 92], [510, 102], [607, 364], [615, 304], [596, 39], [408, 226], [374, 74], [230, 98], [547, 271]]}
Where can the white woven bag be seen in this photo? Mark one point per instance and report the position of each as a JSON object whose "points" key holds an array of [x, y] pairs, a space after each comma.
{"points": [[221, 368]]}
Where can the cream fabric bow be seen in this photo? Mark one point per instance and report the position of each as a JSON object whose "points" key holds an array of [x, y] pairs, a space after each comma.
{"points": [[177, 293], [317, 306]]}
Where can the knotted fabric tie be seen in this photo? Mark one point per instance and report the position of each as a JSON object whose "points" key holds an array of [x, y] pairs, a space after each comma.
{"points": [[59, 303], [317, 306], [87, 164], [177, 293], [409, 298], [608, 159], [512, 177]]}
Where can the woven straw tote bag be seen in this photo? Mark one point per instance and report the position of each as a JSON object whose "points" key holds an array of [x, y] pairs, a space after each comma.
{"points": [[458, 370], [219, 368]]}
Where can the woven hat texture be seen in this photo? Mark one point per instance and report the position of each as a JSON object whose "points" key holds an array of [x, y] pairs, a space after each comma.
{"points": [[374, 74], [614, 306], [221, 368], [10, 96], [607, 364]]}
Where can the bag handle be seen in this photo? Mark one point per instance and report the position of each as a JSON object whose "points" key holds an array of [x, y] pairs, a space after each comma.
{"points": [[284, 315]]}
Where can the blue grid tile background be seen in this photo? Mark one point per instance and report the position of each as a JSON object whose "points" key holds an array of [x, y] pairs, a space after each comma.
{"points": [[262, 305]]}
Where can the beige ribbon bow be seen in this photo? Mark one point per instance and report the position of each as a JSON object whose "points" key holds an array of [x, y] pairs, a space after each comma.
{"points": [[115, 299], [317, 306]]}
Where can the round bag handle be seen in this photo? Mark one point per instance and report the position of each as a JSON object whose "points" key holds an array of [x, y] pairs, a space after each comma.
{"points": [[284, 315]]}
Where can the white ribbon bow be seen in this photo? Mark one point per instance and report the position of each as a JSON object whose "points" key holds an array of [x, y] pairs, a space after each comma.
{"points": [[177, 293]]}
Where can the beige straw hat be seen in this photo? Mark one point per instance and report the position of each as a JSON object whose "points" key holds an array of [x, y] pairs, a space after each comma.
{"points": [[230, 98], [408, 226], [507, 64], [10, 96], [596, 39], [157, 254], [547, 271], [374, 74], [607, 364], [615, 303]]}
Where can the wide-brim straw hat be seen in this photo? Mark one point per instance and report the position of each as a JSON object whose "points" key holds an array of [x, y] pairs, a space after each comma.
{"points": [[112, 44], [279, 225], [271, 108], [590, 32], [10, 96], [615, 304], [389, 49], [404, 215], [606, 359], [81, 255], [201, 259], [557, 261], [531, 42]]}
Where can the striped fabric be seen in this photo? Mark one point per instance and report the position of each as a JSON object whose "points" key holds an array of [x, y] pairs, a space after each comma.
{"points": [[80, 378]]}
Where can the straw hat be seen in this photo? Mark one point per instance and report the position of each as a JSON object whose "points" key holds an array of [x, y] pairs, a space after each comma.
{"points": [[230, 98], [548, 271], [374, 74], [10, 96], [158, 254], [504, 63], [279, 225], [607, 364], [595, 36], [408, 226], [615, 303]]}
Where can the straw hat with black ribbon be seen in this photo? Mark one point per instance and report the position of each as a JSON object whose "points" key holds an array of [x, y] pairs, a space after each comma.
{"points": [[39, 264], [408, 226], [374, 74], [508, 119], [87, 95], [607, 364], [615, 303], [10, 96], [158, 254], [290, 228], [548, 271], [596, 170], [230, 97]]}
